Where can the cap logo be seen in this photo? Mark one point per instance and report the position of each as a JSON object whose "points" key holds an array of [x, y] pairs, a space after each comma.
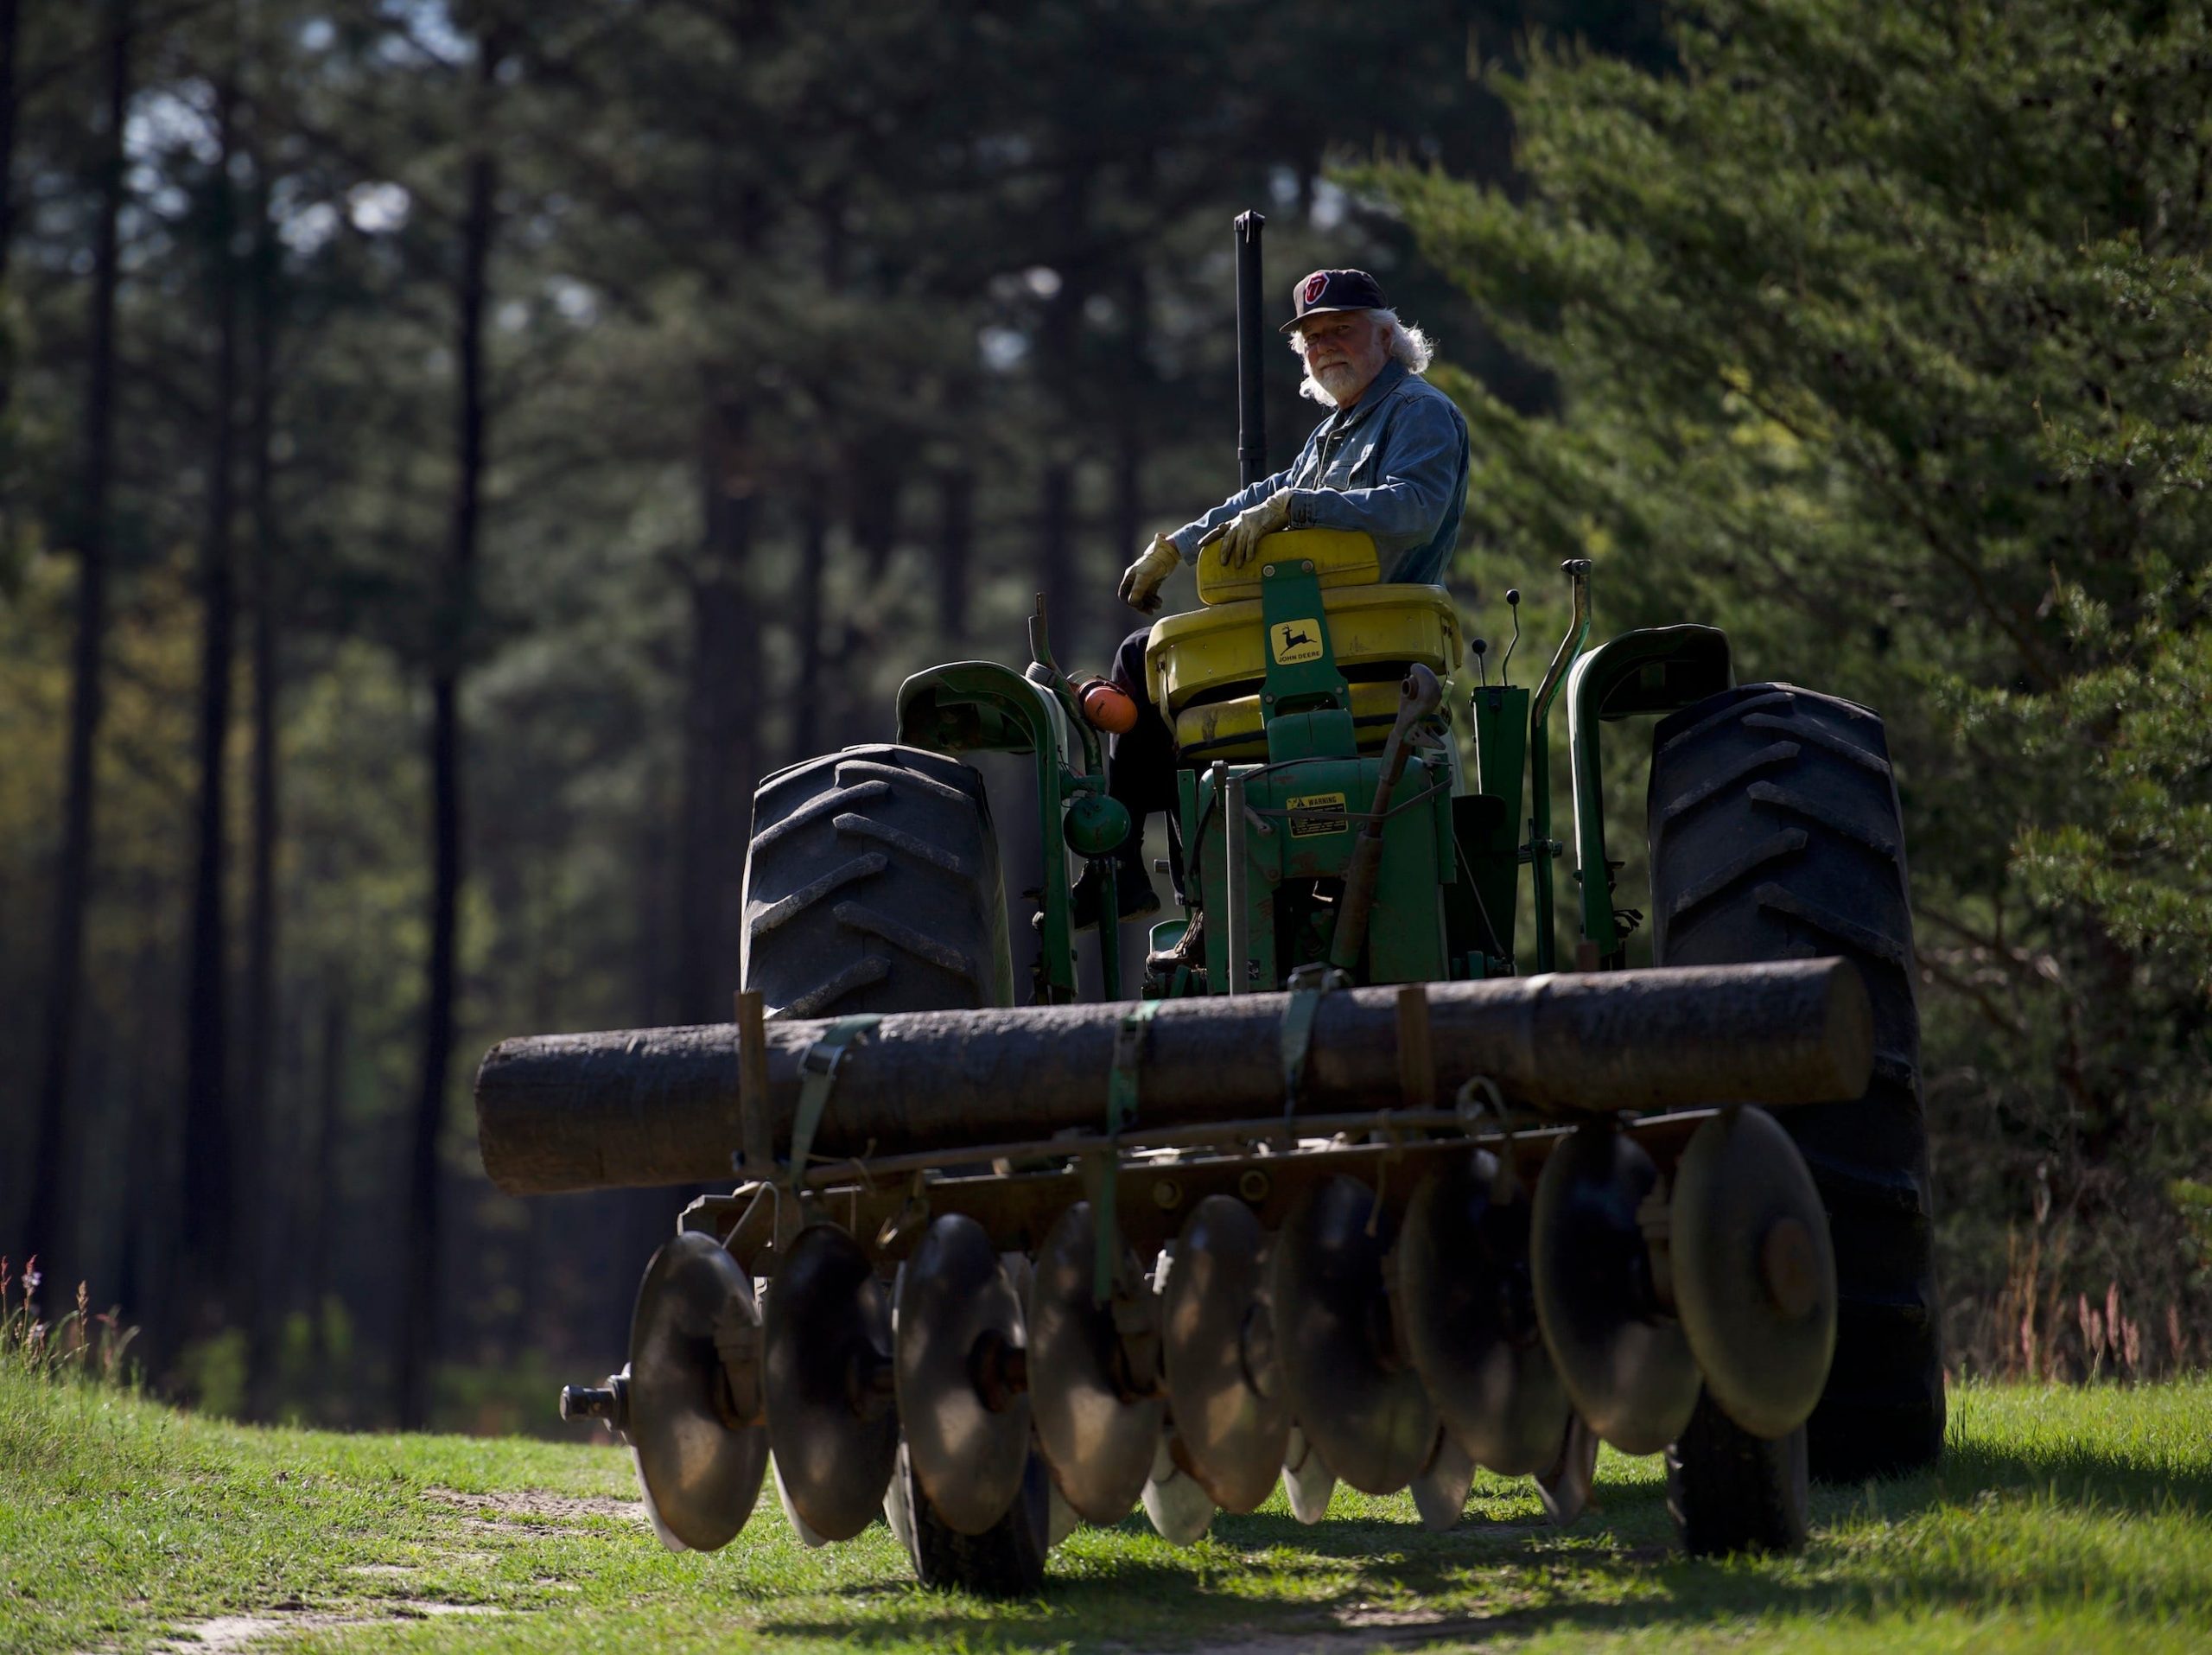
{"points": [[1316, 285]]}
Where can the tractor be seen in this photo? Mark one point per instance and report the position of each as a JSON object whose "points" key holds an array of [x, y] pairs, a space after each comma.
{"points": [[1362, 1184]]}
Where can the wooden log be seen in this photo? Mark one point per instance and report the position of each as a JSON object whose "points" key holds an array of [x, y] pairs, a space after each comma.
{"points": [[658, 1106]]}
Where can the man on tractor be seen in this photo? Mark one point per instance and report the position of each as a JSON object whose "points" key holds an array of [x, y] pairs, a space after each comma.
{"points": [[1391, 460]]}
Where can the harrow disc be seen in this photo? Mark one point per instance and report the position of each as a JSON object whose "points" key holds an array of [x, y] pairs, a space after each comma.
{"points": [[1564, 1485], [1470, 1318], [1095, 1394], [1357, 1402], [1440, 1490], [1060, 1520], [1754, 1271], [960, 1378], [1626, 1367], [809, 1536], [700, 1451], [827, 1360], [1180, 1509], [1224, 1384], [1308, 1482]]}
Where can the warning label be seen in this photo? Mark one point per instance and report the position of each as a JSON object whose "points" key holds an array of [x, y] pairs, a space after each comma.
{"points": [[1293, 641], [1317, 813]]}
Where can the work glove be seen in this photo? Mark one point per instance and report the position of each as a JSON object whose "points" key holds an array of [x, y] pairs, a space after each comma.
{"points": [[1141, 581], [1241, 540]]}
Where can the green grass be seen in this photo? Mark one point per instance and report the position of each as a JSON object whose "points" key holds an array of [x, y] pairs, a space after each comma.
{"points": [[2059, 1520]]}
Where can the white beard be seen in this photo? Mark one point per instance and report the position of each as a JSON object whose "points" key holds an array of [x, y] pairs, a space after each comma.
{"points": [[1314, 391]]}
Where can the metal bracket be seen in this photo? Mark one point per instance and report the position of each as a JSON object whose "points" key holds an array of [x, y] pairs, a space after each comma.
{"points": [[913, 1212], [1128, 1053], [1479, 1097], [1100, 1170], [756, 1154], [1236, 867]]}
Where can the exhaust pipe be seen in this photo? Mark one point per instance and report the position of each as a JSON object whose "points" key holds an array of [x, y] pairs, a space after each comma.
{"points": [[1252, 382]]}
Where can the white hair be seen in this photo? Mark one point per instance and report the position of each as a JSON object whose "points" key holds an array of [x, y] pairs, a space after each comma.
{"points": [[1408, 344]]}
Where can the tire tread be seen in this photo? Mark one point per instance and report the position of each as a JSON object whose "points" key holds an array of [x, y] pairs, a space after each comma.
{"points": [[1725, 891], [873, 884]]}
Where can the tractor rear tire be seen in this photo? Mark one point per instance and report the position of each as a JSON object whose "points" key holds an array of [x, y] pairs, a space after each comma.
{"points": [[873, 884], [1776, 834], [1006, 1561], [1729, 1491]]}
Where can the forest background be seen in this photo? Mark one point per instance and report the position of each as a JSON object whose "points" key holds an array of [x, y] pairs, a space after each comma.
{"points": [[449, 451]]}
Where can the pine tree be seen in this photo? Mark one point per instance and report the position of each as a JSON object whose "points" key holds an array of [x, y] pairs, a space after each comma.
{"points": [[1878, 332]]}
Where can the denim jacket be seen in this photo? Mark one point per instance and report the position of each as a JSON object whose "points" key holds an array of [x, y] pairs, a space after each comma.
{"points": [[1394, 465]]}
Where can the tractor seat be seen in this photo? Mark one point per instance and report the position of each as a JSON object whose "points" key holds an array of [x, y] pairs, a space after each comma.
{"points": [[1339, 557], [1207, 669], [1233, 729]]}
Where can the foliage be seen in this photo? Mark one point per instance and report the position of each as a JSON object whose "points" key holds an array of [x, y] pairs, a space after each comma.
{"points": [[1878, 333], [77, 1344]]}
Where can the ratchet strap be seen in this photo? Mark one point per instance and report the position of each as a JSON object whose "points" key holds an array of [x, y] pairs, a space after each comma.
{"points": [[1308, 985], [1101, 1171], [817, 1076], [1128, 1053]]}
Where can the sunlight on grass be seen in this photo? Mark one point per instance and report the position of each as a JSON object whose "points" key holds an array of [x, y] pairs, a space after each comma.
{"points": [[2059, 1519]]}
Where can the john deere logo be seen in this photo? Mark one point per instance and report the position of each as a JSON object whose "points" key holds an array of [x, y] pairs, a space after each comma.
{"points": [[1293, 641]]}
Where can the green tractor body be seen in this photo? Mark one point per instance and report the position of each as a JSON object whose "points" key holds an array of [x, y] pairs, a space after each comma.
{"points": [[1271, 839]]}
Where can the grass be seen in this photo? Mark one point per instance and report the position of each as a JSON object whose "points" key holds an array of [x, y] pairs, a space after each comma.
{"points": [[2059, 1519]]}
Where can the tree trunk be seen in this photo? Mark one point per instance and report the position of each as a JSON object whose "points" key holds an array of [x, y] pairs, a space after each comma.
{"points": [[8, 33], [212, 1140], [417, 1342], [1128, 490], [73, 877], [1055, 550], [1132, 408], [661, 884], [1059, 355], [956, 550], [877, 479], [149, 1114], [718, 750], [322, 1196], [813, 558], [257, 1046]]}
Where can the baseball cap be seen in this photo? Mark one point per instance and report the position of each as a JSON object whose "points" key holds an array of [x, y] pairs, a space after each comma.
{"points": [[1327, 290]]}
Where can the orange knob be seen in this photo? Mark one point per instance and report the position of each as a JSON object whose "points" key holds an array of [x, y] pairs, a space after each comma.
{"points": [[1109, 706]]}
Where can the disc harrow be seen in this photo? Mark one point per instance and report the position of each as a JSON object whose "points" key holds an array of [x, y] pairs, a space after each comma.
{"points": [[1189, 1302]]}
